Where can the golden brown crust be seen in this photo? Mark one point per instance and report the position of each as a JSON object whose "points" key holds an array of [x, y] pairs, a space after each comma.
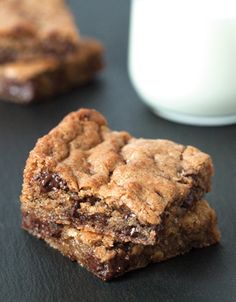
{"points": [[133, 180], [28, 27]]}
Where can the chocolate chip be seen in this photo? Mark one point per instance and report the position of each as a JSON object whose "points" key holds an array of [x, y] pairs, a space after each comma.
{"points": [[55, 230], [44, 229], [98, 218], [74, 212], [93, 263], [159, 227], [125, 212], [188, 202], [123, 246], [193, 196], [49, 181]]}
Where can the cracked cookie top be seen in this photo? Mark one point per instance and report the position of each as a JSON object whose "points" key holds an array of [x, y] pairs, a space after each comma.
{"points": [[82, 156]]}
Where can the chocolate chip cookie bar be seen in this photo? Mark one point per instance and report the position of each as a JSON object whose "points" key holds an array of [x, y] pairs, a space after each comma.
{"points": [[31, 29], [24, 82], [107, 258], [97, 180]]}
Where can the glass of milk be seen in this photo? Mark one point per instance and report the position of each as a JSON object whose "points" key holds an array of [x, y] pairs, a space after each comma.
{"points": [[182, 59]]}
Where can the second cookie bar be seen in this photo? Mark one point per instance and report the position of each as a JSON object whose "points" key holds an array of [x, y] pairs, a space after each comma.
{"points": [[25, 82]]}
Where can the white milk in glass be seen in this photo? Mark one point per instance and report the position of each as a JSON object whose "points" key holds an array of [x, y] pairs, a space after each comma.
{"points": [[182, 58]]}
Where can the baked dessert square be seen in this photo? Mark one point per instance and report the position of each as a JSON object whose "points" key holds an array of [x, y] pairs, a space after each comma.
{"points": [[103, 181], [24, 82], [31, 29], [106, 258], [113, 202]]}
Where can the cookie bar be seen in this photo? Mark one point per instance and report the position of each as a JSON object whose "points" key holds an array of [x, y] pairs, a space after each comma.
{"points": [[31, 29], [98, 180], [107, 258], [26, 82]]}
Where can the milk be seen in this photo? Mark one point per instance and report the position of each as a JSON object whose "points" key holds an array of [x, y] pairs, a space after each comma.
{"points": [[182, 58]]}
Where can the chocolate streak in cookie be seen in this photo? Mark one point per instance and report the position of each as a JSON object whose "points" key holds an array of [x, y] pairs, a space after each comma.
{"points": [[108, 259]]}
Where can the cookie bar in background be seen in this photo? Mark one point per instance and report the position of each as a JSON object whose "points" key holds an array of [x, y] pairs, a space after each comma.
{"points": [[31, 29], [24, 82]]}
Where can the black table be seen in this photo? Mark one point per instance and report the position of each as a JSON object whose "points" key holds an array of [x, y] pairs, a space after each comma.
{"points": [[29, 269]]}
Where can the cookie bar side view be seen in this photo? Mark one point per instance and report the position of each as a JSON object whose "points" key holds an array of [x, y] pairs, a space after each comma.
{"points": [[107, 259], [26, 82], [27, 30], [104, 181]]}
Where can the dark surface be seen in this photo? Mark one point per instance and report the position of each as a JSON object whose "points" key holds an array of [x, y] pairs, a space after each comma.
{"points": [[30, 270]]}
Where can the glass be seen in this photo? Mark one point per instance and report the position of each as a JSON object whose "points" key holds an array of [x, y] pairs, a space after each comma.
{"points": [[182, 59]]}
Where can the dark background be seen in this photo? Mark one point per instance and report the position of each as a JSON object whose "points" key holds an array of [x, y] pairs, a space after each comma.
{"points": [[29, 269]]}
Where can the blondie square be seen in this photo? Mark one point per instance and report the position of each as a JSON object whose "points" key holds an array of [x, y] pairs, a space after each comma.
{"points": [[104, 181]]}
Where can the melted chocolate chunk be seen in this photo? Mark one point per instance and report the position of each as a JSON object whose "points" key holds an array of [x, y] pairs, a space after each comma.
{"points": [[74, 212], [115, 267], [106, 270], [43, 229], [196, 192], [93, 263], [123, 246], [125, 212], [50, 182], [159, 228], [98, 218], [194, 196], [188, 202]]}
